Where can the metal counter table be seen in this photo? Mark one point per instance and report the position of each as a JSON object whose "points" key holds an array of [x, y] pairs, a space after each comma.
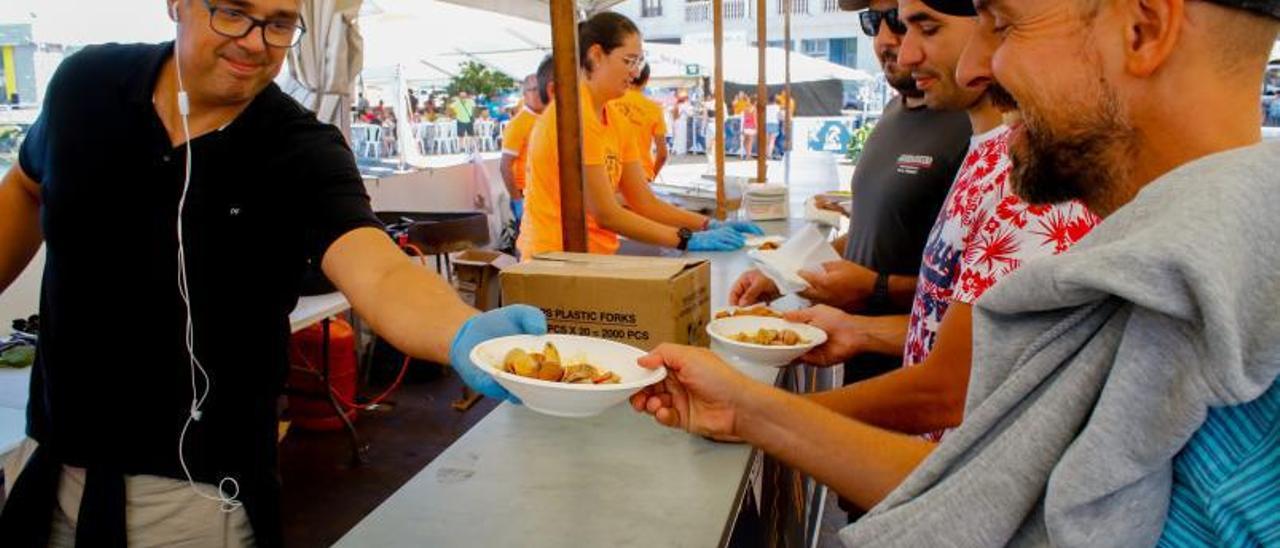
{"points": [[519, 478]]}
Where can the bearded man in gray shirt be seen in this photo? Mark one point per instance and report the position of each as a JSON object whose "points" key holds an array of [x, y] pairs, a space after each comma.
{"points": [[1096, 373]]}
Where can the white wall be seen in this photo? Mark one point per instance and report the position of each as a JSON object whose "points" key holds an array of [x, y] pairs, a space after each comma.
{"points": [[22, 298], [816, 25], [447, 188], [467, 186]]}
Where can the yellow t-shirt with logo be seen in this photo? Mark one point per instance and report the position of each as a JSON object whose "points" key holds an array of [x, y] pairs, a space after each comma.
{"points": [[647, 122], [515, 142], [603, 144]]}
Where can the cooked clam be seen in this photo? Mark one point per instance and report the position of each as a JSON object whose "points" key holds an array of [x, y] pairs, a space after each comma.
{"points": [[550, 371], [521, 363], [789, 337], [760, 311], [579, 373], [770, 337], [551, 354], [547, 366]]}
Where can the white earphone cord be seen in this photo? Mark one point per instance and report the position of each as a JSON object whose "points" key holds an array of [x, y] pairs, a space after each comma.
{"points": [[199, 392]]}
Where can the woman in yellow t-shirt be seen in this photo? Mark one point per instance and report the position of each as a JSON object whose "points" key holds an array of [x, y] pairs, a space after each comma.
{"points": [[647, 125], [610, 55]]}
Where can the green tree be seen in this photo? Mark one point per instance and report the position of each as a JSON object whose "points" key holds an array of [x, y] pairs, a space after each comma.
{"points": [[477, 79], [859, 141]]}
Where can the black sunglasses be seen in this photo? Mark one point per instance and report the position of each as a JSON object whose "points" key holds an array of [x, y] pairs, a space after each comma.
{"points": [[871, 22]]}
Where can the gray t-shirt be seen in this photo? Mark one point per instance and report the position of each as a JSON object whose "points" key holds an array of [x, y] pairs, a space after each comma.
{"points": [[904, 174], [1092, 369]]}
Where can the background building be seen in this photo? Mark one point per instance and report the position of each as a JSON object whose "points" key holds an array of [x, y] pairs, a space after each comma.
{"points": [[818, 27], [17, 63], [26, 64]]}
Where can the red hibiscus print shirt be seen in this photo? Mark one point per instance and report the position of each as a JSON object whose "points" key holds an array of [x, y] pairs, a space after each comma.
{"points": [[983, 233]]}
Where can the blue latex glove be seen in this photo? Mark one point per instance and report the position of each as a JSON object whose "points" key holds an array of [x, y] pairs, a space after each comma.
{"points": [[517, 209], [718, 239], [744, 227], [509, 320]]}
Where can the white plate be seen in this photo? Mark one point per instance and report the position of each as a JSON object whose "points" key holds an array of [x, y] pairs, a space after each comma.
{"points": [[562, 399], [722, 331]]}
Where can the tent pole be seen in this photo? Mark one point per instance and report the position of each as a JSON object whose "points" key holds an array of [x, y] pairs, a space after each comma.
{"points": [[717, 31], [762, 93], [564, 46], [786, 105]]}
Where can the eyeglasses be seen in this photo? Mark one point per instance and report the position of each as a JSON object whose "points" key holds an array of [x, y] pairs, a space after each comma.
{"points": [[871, 22], [635, 62], [234, 23]]}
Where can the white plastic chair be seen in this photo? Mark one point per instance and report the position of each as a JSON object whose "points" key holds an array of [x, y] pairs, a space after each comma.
{"points": [[372, 143], [484, 135], [446, 137], [502, 130], [423, 135], [359, 135]]}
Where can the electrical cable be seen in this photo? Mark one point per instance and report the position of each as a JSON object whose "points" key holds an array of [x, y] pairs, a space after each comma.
{"points": [[404, 367], [228, 487]]}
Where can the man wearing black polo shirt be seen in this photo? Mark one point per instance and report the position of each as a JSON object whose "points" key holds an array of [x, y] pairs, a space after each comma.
{"points": [[903, 176], [171, 439]]}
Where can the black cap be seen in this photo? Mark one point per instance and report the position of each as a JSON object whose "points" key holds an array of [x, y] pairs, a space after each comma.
{"points": [[962, 8], [1264, 7], [957, 8]]}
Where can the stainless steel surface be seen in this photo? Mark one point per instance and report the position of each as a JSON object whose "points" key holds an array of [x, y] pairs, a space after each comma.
{"points": [[725, 266], [519, 478], [523, 479]]}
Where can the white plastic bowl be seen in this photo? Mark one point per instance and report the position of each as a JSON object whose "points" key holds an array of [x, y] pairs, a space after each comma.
{"points": [[723, 330], [568, 400]]}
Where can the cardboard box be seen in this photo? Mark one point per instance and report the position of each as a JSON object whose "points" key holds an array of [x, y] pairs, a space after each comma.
{"points": [[475, 276], [640, 301]]}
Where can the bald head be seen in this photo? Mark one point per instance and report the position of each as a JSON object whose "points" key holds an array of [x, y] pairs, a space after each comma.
{"points": [[1113, 93], [532, 99], [1243, 39]]}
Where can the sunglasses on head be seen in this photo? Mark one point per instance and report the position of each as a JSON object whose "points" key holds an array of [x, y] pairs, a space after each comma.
{"points": [[871, 22]]}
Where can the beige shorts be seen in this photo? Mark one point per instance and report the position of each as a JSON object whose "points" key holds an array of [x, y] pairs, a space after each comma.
{"points": [[159, 511]]}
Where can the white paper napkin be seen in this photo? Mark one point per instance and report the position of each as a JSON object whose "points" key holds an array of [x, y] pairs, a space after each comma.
{"points": [[806, 250]]}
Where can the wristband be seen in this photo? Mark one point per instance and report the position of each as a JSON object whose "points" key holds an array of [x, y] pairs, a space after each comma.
{"points": [[880, 293]]}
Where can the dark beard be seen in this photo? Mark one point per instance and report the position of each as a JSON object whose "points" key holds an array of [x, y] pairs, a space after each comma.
{"points": [[906, 86], [1081, 162], [1001, 98]]}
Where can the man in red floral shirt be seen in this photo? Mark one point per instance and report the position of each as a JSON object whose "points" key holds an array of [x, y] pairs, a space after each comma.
{"points": [[983, 233]]}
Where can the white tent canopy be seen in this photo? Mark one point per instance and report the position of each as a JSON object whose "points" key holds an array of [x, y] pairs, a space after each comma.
{"points": [[536, 10], [431, 39], [741, 64]]}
